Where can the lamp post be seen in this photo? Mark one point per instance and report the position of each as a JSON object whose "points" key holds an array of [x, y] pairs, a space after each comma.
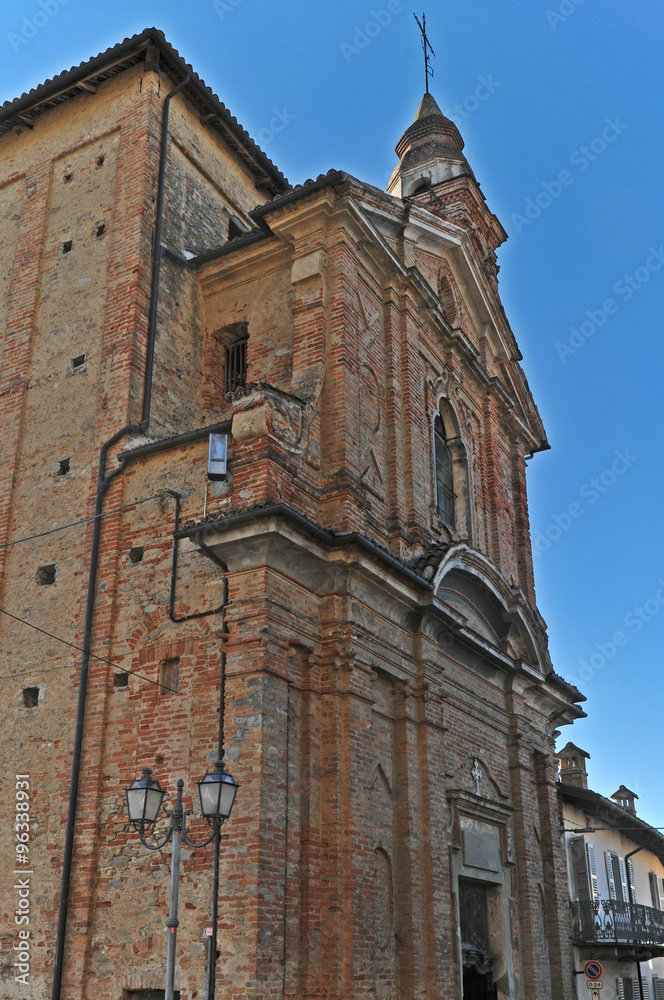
{"points": [[217, 792]]}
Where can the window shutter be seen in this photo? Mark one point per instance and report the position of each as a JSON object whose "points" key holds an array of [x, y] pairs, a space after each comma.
{"points": [[625, 989], [646, 989], [660, 883], [654, 890], [592, 867], [580, 868], [658, 988], [609, 874], [623, 879], [632, 884]]}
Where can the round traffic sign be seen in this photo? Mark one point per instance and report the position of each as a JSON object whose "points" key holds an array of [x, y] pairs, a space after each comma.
{"points": [[593, 970]]}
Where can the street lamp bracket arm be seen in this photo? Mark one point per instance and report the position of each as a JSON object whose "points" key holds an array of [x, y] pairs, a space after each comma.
{"points": [[216, 825], [162, 843]]}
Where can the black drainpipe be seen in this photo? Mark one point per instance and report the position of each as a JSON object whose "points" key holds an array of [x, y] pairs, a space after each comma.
{"points": [[174, 571], [103, 482]]}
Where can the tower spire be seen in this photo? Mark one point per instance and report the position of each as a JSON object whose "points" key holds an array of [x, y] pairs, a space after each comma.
{"points": [[426, 49]]}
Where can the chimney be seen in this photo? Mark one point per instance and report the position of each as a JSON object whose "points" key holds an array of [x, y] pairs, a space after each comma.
{"points": [[573, 766], [625, 799]]}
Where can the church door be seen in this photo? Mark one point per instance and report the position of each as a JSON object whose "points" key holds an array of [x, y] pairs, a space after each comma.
{"points": [[477, 984]]}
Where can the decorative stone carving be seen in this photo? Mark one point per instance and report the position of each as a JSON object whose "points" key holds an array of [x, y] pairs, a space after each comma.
{"points": [[446, 383], [262, 410], [477, 775]]}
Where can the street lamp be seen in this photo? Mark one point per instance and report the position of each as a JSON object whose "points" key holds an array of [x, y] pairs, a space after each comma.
{"points": [[217, 792]]}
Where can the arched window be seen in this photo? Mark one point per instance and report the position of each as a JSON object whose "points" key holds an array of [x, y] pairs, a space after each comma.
{"points": [[444, 473]]}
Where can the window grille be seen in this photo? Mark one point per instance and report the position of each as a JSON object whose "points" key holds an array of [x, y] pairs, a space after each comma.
{"points": [[236, 366], [444, 477]]}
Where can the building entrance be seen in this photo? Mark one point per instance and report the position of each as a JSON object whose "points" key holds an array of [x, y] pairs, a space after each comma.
{"points": [[477, 985]]}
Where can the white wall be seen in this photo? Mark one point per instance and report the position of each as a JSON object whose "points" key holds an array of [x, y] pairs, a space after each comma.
{"points": [[643, 863]]}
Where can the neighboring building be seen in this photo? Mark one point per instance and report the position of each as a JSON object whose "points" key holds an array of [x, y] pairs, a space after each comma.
{"points": [[362, 564], [616, 879]]}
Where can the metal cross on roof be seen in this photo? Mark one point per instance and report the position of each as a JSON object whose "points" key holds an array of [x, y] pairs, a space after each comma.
{"points": [[426, 48], [477, 775]]}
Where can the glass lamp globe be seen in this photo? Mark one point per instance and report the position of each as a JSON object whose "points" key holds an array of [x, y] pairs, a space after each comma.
{"points": [[217, 792], [144, 797]]}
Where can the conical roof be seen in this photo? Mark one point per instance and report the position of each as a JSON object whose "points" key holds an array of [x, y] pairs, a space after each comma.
{"points": [[429, 126], [427, 107]]}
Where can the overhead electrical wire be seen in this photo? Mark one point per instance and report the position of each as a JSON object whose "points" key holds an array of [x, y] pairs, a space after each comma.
{"points": [[83, 520], [73, 645]]}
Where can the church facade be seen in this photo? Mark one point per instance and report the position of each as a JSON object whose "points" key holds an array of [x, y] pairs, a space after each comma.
{"points": [[276, 435]]}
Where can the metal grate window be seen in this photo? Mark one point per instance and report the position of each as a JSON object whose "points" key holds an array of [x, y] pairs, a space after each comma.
{"points": [[236, 366], [444, 478]]}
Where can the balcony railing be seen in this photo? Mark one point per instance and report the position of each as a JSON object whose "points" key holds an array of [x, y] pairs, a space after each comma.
{"points": [[608, 921]]}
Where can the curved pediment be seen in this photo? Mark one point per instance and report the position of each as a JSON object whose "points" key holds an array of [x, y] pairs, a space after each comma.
{"points": [[476, 594], [466, 596]]}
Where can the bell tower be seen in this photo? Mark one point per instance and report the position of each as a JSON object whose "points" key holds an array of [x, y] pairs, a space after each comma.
{"points": [[433, 172]]}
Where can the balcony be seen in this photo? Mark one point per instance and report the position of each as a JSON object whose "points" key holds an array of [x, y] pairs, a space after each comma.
{"points": [[611, 922]]}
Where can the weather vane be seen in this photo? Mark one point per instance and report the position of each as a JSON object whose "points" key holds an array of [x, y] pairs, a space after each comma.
{"points": [[426, 48]]}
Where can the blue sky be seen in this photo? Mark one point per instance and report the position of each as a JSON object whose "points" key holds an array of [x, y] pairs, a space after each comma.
{"points": [[565, 135]]}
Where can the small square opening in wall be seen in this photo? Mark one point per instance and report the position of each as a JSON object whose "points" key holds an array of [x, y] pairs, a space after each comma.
{"points": [[67, 177], [67, 245], [64, 466], [100, 160], [77, 364], [169, 676], [31, 697], [136, 554], [46, 575], [121, 679], [100, 229]]}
